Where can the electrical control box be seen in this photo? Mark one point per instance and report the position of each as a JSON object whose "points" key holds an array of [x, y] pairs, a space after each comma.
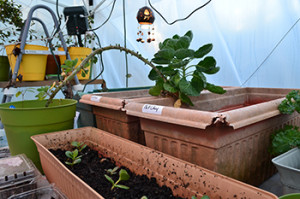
{"points": [[77, 20]]}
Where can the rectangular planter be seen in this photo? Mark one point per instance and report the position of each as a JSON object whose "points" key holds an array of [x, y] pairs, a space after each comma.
{"points": [[288, 166], [229, 133], [110, 115], [185, 179]]}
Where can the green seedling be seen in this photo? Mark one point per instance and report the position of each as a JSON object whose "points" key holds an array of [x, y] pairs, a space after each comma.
{"points": [[79, 145], [144, 197], [203, 197], [73, 155], [112, 171], [123, 175], [23, 94]]}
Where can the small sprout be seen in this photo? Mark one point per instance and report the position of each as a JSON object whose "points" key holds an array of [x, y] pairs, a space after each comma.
{"points": [[79, 145], [112, 171], [144, 197], [123, 175], [73, 155], [203, 197]]}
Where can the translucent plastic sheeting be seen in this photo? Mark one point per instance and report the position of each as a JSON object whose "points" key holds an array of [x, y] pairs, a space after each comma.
{"points": [[244, 33], [250, 39]]}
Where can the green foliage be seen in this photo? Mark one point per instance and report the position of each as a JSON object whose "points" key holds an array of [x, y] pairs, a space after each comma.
{"points": [[144, 197], [24, 92], [123, 176], [285, 139], [79, 145], [112, 171], [181, 79], [291, 103], [73, 156], [10, 15], [203, 197]]}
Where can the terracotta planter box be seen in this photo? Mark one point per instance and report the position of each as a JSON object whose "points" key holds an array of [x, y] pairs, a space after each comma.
{"points": [[185, 179], [229, 133], [110, 115]]}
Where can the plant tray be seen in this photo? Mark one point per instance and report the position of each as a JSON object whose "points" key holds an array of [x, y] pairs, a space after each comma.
{"points": [[232, 131], [185, 179], [288, 166], [17, 174], [50, 192]]}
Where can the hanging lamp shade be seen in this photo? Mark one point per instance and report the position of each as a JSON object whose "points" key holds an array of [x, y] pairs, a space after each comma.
{"points": [[145, 16]]}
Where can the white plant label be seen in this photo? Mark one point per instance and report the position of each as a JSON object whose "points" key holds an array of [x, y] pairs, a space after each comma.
{"points": [[95, 98], [153, 109]]}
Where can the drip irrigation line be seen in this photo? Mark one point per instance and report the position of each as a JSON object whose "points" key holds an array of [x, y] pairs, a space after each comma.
{"points": [[271, 52], [125, 43], [101, 64], [112, 8], [200, 7]]}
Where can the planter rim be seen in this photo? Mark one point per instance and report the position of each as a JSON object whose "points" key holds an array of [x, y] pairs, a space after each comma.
{"points": [[201, 119], [4, 106], [116, 100]]}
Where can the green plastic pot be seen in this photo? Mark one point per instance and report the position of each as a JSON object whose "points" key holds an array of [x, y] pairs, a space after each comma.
{"points": [[4, 68], [290, 196], [30, 118]]}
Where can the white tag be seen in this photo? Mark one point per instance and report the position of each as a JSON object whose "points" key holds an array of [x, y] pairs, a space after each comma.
{"points": [[95, 98], [153, 109]]}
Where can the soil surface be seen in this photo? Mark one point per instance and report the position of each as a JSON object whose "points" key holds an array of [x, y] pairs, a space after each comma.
{"points": [[92, 168]]}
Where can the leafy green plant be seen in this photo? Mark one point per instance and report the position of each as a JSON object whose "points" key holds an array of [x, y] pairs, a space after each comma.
{"points": [[67, 68], [123, 176], [79, 145], [285, 139], [11, 18], [73, 156], [24, 92], [144, 197], [112, 171], [180, 79], [172, 79], [291, 103]]}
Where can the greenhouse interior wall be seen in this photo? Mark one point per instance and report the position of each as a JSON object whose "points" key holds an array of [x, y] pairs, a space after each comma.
{"points": [[256, 43]]}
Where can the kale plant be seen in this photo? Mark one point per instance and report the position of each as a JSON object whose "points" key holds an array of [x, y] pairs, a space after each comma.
{"points": [[291, 103], [285, 139], [179, 79]]}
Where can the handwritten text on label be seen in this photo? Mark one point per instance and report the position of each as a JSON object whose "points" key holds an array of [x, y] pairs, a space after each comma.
{"points": [[153, 109], [95, 98]]}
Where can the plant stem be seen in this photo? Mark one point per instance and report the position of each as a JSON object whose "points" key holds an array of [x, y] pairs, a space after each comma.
{"points": [[115, 184], [99, 51], [183, 71]]}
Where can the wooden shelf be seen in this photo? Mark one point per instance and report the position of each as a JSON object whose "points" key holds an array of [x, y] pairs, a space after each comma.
{"points": [[46, 83]]}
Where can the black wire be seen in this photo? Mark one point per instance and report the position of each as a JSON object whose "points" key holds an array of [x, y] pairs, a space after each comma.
{"points": [[112, 8], [270, 52], [125, 43], [177, 19], [101, 63]]}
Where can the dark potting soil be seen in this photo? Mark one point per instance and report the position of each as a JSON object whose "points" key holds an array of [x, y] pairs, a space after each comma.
{"points": [[92, 168]]}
